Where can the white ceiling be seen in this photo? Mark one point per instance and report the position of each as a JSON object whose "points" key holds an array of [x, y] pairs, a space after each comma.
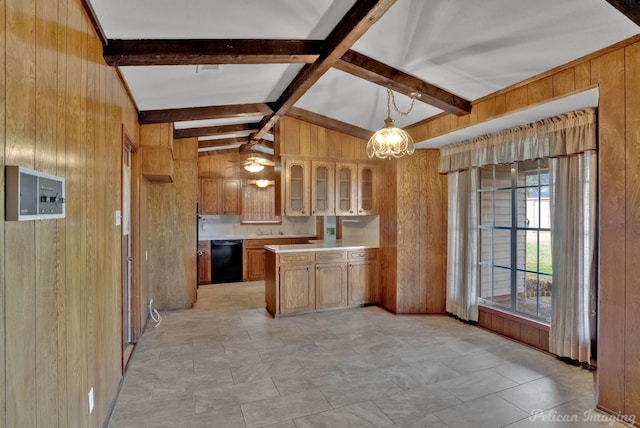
{"points": [[468, 47]]}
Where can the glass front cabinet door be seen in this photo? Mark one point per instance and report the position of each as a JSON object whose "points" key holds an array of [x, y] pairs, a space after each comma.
{"points": [[322, 188], [346, 189], [366, 190], [296, 187]]}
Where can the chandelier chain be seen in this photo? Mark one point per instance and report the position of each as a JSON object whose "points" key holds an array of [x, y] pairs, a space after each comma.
{"points": [[392, 98]]}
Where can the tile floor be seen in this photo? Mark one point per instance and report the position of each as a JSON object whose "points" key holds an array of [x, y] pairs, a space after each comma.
{"points": [[227, 363]]}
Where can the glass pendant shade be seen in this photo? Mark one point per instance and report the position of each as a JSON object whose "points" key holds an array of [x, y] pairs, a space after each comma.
{"points": [[254, 165], [390, 141]]}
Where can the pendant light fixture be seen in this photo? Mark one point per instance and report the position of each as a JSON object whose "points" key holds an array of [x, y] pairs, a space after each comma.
{"points": [[391, 141]]}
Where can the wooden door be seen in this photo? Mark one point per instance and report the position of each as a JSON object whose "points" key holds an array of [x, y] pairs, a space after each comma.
{"points": [[366, 190], [210, 198], [296, 188], [322, 188], [204, 262], [255, 264], [362, 282], [258, 205], [331, 285], [297, 289], [346, 180], [232, 197]]}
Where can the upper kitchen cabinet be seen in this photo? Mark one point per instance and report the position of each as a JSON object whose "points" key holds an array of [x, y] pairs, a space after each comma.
{"points": [[156, 152], [367, 175], [258, 204], [322, 172], [220, 196], [296, 187], [322, 188], [346, 189]]}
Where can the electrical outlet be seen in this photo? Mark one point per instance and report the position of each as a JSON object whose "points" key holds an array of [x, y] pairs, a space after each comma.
{"points": [[91, 401]]}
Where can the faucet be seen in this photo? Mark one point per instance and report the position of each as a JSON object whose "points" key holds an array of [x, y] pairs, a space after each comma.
{"points": [[260, 233]]}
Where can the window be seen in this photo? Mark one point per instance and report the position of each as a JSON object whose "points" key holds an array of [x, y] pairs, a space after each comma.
{"points": [[515, 238]]}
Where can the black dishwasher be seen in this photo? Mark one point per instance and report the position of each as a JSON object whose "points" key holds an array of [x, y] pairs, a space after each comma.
{"points": [[226, 261]]}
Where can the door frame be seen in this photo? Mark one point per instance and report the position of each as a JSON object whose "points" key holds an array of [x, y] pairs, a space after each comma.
{"points": [[135, 321]]}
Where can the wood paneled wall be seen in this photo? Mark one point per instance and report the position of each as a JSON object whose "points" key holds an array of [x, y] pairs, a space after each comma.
{"points": [[615, 71], [294, 137], [61, 112], [169, 232], [413, 234], [228, 165]]}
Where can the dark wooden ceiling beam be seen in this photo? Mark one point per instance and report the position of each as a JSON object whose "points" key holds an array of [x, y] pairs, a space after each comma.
{"points": [[362, 15], [370, 69], [118, 52], [221, 142], [201, 113], [330, 123], [215, 130], [265, 143], [630, 8]]}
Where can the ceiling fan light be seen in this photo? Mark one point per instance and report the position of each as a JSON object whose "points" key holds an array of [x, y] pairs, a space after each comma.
{"points": [[254, 167], [262, 183]]}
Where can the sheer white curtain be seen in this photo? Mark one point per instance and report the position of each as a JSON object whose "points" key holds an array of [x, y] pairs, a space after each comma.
{"points": [[571, 140], [462, 254], [573, 222]]}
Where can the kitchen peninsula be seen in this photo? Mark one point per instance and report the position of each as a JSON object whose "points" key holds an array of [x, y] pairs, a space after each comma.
{"points": [[318, 276]]}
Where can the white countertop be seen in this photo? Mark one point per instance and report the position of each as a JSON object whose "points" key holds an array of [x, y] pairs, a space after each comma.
{"points": [[207, 237], [320, 246]]}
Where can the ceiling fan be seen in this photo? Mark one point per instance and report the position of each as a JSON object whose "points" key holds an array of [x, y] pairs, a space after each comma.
{"points": [[254, 163]]}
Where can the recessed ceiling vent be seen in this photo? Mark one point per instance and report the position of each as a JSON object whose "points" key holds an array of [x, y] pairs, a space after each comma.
{"points": [[205, 68]]}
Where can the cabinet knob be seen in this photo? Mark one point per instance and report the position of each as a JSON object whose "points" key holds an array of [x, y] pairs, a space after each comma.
{"points": [[304, 211], [351, 212]]}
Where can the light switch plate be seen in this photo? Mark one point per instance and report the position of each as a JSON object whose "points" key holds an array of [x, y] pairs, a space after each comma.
{"points": [[118, 218], [91, 401]]}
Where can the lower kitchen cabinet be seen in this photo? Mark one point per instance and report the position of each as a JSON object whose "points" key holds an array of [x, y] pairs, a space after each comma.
{"points": [[253, 254], [362, 278], [300, 282], [297, 289], [331, 285], [204, 262], [254, 262]]}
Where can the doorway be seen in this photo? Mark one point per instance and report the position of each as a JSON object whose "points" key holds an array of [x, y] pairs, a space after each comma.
{"points": [[130, 289]]}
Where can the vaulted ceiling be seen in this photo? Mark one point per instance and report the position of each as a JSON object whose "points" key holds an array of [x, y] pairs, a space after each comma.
{"points": [[226, 71]]}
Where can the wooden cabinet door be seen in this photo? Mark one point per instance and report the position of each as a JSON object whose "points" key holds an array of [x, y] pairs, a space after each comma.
{"points": [[232, 197], [210, 196], [258, 205], [346, 179], [331, 285], [255, 264], [362, 282], [367, 190], [296, 188], [322, 188], [297, 289], [204, 262]]}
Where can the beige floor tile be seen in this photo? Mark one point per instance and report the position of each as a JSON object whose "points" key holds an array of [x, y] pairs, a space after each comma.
{"points": [[227, 363]]}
